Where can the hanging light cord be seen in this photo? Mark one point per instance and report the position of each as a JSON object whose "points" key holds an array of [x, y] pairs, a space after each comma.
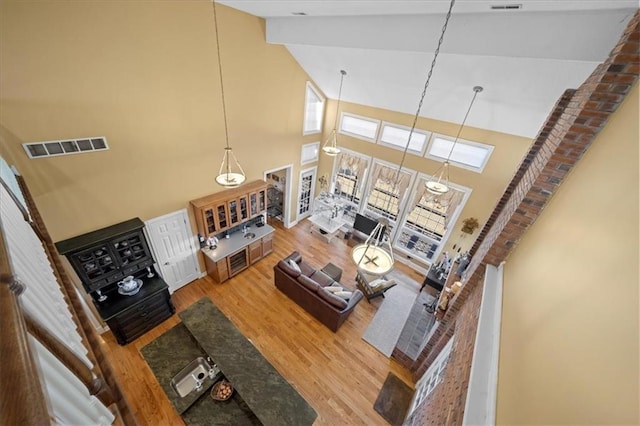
{"points": [[224, 109], [335, 123], [424, 92], [476, 90]]}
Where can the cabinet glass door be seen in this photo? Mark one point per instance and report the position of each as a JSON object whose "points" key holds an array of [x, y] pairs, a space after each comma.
{"points": [[262, 201], [221, 210], [253, 202], [244, 208], [233, 212], [209, 221]]}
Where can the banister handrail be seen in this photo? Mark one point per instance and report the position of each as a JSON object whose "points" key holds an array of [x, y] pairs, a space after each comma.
{"points": [[22, 400]]}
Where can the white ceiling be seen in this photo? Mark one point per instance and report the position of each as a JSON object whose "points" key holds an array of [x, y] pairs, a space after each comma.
{"points": [[524, 59]]}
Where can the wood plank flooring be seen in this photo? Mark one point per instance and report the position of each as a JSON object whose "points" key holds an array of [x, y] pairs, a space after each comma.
{"points": [[339, 374]]}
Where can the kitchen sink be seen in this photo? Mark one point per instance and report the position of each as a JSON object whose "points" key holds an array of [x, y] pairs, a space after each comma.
{"points": [[249, 235], [191, 377]]}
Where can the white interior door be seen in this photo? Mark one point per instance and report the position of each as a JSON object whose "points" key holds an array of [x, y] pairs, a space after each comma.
{"points": [[174, 248], [306, 189]]}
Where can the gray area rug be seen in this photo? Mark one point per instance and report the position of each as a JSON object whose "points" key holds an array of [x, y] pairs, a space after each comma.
{"points": [[388, 322]]}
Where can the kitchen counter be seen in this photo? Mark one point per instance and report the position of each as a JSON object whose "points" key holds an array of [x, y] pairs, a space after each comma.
{"points": [[269, 396], [235, 242]]}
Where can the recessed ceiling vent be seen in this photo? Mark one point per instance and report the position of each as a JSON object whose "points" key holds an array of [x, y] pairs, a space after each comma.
{"points": [[506, 6], [65, 147], [298, 13]]}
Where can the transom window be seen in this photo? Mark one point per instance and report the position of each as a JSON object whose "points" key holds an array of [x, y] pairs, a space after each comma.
{"points": [[313, 111], [466, 154], [359, 127], [396, 136]]}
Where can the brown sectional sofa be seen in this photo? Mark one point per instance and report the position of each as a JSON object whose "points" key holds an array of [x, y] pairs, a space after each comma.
{"points": [[307, 288]]}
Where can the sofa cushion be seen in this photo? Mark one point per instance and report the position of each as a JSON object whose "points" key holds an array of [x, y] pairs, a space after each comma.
{"points": [[288, 269], [308, 283], [346, 295], [321, 278], [306, 269], [332, 299], [334, 288]]}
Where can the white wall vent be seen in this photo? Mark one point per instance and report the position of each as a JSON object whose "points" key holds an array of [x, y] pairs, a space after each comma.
{"points": [[65, 147], [506, 6]]}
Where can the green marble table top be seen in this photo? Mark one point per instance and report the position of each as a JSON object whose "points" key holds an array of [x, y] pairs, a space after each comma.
{"points": [[271, 398]]}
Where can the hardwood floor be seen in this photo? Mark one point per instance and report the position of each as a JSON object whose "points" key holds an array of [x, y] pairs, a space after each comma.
{"points": [[339, 374]]}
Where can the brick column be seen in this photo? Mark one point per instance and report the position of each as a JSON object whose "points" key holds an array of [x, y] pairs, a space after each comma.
{"points": [[576, 119]]}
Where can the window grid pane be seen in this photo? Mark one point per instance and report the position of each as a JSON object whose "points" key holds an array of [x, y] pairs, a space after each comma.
{"points": [[383, 199]]}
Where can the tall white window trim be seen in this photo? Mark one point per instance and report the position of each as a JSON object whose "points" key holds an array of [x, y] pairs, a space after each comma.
{"points": [[313, 111], [359, 127], [466, 154], [396, 136]]}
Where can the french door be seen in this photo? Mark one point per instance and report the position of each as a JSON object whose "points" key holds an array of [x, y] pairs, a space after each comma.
{"points": [[306, 190]]}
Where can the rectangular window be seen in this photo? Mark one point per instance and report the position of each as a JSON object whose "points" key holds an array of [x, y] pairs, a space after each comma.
{"points": [[395, 136], [349, 174], [313, 111], [359, 127], [427, 220], [387, 188], [309, 153], [466, 154]]}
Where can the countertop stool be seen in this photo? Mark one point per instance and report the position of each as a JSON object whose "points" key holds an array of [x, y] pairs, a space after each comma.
{"points": [[333, 271]]}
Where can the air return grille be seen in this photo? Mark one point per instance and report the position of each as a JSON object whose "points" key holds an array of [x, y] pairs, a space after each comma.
{"points": [[65, 147], [506, 6]]}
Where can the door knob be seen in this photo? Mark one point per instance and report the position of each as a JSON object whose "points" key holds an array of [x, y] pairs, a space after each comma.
{"points": [[166, 263]]}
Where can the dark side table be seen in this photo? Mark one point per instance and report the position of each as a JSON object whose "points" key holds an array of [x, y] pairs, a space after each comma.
{"points": [[333, 271]]}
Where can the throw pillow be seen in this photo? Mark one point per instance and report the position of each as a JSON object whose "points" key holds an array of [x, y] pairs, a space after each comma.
{"points": [[333, 288], [384, 284], [294, 265], [346, 295]]}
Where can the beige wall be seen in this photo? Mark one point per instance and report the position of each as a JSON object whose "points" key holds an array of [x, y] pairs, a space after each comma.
{"points": [[487, 186], [143, 74], [569, 344]]}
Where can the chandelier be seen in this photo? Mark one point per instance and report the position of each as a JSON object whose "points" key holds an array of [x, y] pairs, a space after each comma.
{"points": [[330, 146], [371, 257], [226, 175], [439, 184]]}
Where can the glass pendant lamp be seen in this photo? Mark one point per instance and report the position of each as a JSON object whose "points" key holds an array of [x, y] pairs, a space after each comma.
{"points": [[330, 146], [230, 173], [372, 257]]}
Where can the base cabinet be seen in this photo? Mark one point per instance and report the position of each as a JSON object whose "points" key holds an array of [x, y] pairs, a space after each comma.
{"points": [[255, 252], [227, 267], [267, 245], [140, 317]]}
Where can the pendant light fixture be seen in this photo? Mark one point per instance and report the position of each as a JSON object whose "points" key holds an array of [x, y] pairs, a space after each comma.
{"points": [[226, 175], [439, 185], [371, 257], [330, 146]]}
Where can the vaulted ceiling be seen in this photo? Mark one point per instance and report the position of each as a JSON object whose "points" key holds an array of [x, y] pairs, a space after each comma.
{"points": [[524, 58]]}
